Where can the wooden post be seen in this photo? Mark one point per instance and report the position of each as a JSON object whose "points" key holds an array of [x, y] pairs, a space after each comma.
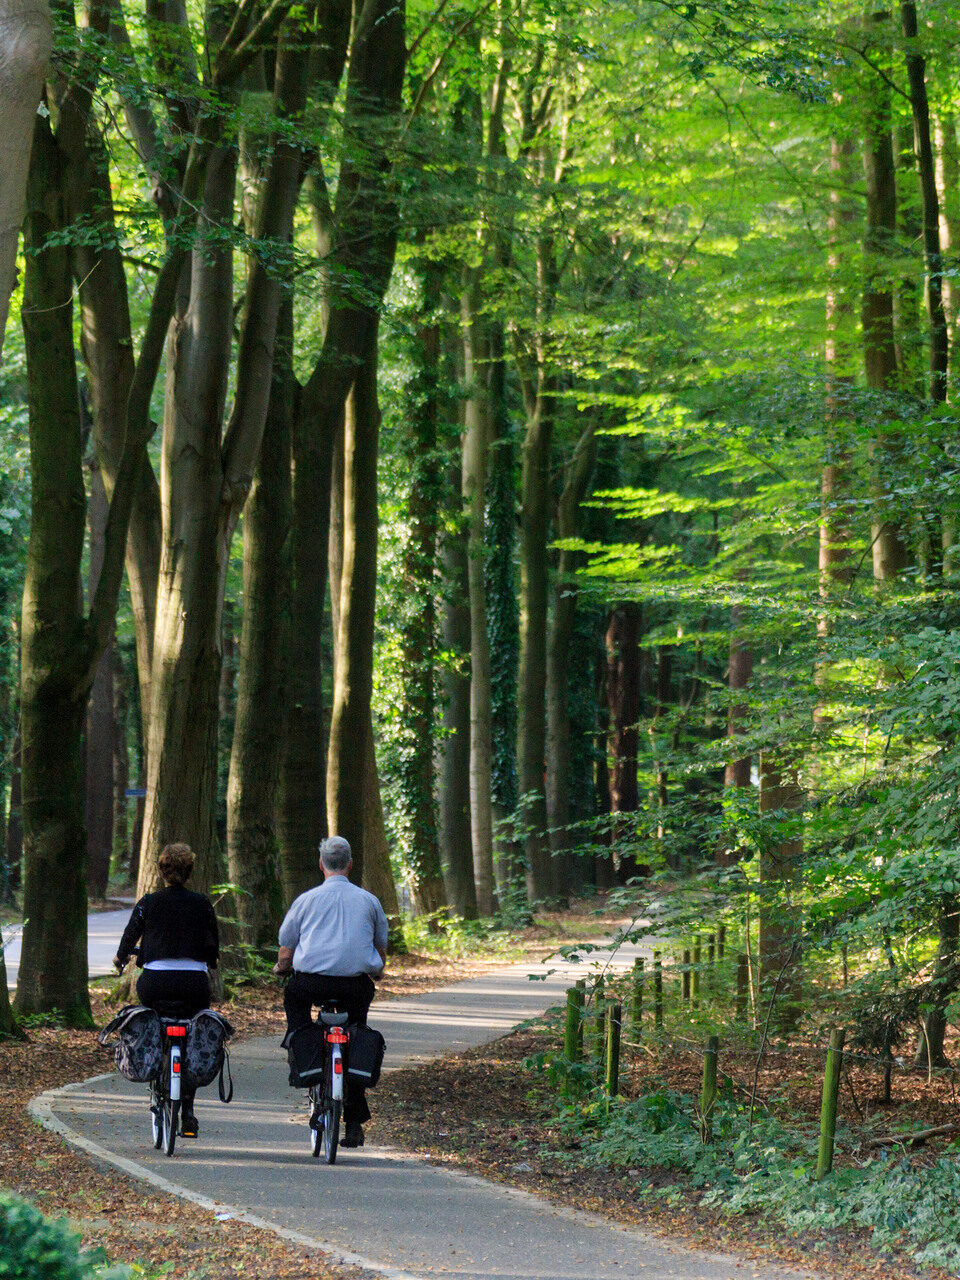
{"points": [[721, 941], [828, 1108], [573, 1034], [708, 1094], [685, 976], [657, 992], [599, 1013], [612, 1082], [743, 979], [695, 983], [636, 1010]]}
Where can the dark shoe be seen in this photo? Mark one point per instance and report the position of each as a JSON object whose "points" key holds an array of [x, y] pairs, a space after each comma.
{"points": [[354, 1135], [188, 1125]]}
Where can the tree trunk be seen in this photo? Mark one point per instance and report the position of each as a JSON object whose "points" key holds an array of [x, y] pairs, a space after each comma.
{"points": [[503, 631], [53, 966], [121, 760], [303, 806], [419, 819], [182, 742], [623, 703], [26, 37], [252, 847], [476, 439], [532, 680], [353, 679], [453, 766], [13, 838], [930, 1048], [933, 260], [377, 871], [780, 928], [577, 476], [107, 347], [739, 670], [890, 554], [948, 179], [98, 807]]}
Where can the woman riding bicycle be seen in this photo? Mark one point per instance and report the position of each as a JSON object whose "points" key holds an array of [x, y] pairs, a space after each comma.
{"points": [[180, 943]]}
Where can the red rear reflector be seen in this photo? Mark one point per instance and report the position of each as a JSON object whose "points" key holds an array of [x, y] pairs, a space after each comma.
{"points": [[338, 1067], [176, 1031], [176, 1067], [338, 1037]]}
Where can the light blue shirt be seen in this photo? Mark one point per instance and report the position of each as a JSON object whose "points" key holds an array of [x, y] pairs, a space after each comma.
{"points": [[335, 929]]}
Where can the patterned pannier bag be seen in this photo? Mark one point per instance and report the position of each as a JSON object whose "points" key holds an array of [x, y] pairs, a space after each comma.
{"points": [[137, 1050], [205, 1053]]}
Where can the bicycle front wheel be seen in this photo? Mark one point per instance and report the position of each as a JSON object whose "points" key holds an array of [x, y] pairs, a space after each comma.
{"points": [[171, 1118], [332, 1110]]}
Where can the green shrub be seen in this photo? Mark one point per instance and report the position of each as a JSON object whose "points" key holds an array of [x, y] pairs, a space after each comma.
{"points": [[33, 1247]]}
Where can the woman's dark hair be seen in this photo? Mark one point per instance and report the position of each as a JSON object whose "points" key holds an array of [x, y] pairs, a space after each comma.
{"points": [[176, 863]]}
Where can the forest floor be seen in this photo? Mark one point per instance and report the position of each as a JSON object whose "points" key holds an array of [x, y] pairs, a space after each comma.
{"points": [[484, 1111]]}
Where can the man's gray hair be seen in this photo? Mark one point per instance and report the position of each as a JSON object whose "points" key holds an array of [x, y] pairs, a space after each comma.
{"points": [[335, 853]]}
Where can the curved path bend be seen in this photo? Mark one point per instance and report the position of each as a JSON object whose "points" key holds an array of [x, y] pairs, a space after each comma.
{"points": [[388, 1212]]}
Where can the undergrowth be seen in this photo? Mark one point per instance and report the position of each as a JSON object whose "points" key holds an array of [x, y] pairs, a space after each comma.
{"points": [[766, 1169]]}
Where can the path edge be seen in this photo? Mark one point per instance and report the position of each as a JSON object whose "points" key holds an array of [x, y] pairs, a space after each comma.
{"points": [[41, 1109]]}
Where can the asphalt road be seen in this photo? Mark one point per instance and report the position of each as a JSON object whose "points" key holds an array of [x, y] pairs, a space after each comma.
{"points": [[103, 934], [389, 1212]]}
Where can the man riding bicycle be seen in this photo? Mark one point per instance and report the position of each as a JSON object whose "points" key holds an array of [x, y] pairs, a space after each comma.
{"points": [[334, 940]]}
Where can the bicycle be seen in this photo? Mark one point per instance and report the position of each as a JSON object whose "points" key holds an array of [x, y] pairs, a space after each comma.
{"points": [[165, 1089], [326, 1095]]}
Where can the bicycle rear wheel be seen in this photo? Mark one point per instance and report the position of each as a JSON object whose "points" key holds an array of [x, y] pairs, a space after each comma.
{"points": [[171, 1118], [316, 1122], [332, 1110]]}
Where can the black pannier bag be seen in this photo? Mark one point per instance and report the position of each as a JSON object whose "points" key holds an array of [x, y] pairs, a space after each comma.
{"points": [[204, 1051], [138, 1049], [305, 1048], [365, 1057]]}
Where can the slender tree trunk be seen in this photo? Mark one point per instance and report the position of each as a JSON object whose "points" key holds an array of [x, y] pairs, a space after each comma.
{"points": [[98, 807], [948, 180], [252, 848], [890, 555], [576, 482], [532, 680], [107, 347], [121, 760], [454, 747], [26, 37], [476, 437], [420, 825], [933, 259], [502, 629], [946, 979], [780, 951], [13, 838], [623, 703], [739, 670]]}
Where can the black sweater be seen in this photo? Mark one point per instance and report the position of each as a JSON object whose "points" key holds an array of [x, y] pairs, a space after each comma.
{"points": [[175, 924]]}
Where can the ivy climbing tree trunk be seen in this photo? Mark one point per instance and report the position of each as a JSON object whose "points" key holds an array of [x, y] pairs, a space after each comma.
{"points": [[577, 477], [453, 769]]}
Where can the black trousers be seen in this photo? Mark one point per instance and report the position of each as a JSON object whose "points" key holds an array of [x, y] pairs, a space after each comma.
{"points": [[351, 996], [175, 993]]}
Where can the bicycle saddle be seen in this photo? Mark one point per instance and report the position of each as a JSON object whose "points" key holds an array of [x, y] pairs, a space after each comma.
{"points": [[333, 1019]]}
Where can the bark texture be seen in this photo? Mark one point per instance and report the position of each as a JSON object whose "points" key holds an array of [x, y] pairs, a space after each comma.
{"points": [[26, 38]]}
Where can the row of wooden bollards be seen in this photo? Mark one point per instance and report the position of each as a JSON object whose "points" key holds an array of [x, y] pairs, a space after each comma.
{"points": [[605, 1032]]}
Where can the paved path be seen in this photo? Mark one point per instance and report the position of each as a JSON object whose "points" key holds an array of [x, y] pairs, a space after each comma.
{"points": [[103, 934], [391, 1213]]}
